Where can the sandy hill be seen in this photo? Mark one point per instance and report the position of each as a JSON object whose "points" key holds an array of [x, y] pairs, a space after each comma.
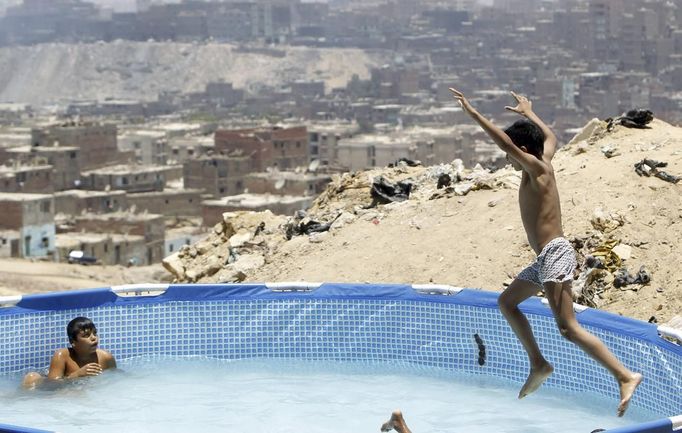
{"points": [[471, 235], [58, 72]]}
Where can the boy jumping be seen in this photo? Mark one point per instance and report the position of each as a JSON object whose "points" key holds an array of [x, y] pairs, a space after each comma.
{"points": [[530, 146]]}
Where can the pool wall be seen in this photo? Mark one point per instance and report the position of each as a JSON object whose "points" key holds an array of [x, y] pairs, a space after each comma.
{"points": [[430, 326]]}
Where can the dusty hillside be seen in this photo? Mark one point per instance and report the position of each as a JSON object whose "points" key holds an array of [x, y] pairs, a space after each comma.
{"points": [[140, 70], [476, 239]]}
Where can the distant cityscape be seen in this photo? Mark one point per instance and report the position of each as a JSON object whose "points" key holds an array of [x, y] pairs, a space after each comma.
{"points": [[128, 182]]}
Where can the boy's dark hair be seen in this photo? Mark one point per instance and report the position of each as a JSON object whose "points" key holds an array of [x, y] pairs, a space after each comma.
{"points": [[77, 325], [526, 133]]}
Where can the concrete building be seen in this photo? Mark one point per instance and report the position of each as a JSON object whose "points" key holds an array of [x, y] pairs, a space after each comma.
{"points": [[65, 162], [32, 217], [323, 139], [150, 147], [108, 248], [76, 202], [179, 237], [131, 178], [150, 227], [182, 149], [26, 178], [217, 175], [97, 142], [9, 243], [284, 148], [212, 210], [170, 203]]}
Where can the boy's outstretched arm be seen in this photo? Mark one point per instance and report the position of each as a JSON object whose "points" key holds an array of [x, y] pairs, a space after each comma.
{"points": [[528, 161], [525, 108]]}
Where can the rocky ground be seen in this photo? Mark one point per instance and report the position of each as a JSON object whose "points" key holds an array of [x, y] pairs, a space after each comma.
{"points": [[470, 234]]}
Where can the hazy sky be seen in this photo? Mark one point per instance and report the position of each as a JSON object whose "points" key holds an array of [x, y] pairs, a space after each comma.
{"points": [[129, 5]]}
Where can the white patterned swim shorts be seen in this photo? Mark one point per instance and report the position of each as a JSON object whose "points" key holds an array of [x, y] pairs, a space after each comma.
{"points": [[555, 263]]}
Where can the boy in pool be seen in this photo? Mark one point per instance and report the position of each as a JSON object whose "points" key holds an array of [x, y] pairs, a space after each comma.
{"points": [[530, 146], [82, 359]]}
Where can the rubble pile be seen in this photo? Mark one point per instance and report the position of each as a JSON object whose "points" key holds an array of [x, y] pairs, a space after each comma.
{"points": [[245, 241], [449, 224]]}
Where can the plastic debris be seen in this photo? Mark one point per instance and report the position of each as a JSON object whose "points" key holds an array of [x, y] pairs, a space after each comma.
{"points": [[649, 167], [384, 191], [637, 118], [606, 222], [624, 278]]}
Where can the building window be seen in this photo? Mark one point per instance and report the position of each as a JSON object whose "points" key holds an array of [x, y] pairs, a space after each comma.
{"points": [[125, 181], [73, 155], [170, 248], [106, 248], [45, 206], [45, 242], [221, 190], [166, 201]]}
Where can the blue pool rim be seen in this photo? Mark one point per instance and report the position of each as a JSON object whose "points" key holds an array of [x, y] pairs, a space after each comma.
{"points": [[129, 295]]}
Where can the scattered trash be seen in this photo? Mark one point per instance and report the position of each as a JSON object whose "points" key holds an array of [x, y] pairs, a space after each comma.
{"points": [[383, 191], [623, 251], [624, 278], [443, 181], [653, 319], [608, 258], [648, 167], [405, 161], [259, 229], [606, 222], [307, 227], [637, 118], [610, 150]]}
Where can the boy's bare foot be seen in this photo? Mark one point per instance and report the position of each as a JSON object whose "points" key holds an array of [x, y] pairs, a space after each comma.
{"points": [[536, 377], [396, 422], [628, 388]]}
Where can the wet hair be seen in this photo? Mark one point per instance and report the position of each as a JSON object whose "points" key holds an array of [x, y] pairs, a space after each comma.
{"points": [[529, 135], [77, 325]]}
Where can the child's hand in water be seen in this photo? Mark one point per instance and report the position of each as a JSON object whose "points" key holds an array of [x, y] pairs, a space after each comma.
{"points": [[92, 369]]}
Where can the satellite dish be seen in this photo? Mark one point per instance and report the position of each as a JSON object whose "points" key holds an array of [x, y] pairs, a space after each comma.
{"points": [[314, 165], [280, 184]]}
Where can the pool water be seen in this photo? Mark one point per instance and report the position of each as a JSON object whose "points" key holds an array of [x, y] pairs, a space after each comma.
{"points": [[251, 396]]}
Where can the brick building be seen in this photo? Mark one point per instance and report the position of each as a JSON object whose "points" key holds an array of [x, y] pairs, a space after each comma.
{"points": [[31, 217], [287, 183], [76, 201], [212, 210], [150, 226], [65, 162], [284, 148], [217, 175], [170, 203], [97, 142], [107, 248], [26, 179], [131, 178]]}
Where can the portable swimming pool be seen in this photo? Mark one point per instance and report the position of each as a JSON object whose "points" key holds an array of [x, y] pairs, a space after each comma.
{"points": [[399, 328]]}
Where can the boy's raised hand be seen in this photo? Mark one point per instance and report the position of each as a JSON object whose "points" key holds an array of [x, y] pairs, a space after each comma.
{"points": [[523, 106], [463, 102]]}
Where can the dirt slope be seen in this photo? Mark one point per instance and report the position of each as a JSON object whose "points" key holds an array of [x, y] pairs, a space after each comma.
{"points": [[474, 240]]}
